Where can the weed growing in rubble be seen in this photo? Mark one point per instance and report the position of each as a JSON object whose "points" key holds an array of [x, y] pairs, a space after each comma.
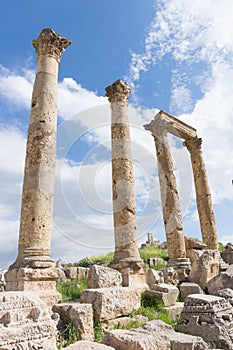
{"points": [[71, 290]]}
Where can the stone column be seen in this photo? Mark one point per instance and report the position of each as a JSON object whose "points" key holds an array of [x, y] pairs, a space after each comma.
{"points": [[169, 195], [34, 268], [124, 210], [203, 195]]}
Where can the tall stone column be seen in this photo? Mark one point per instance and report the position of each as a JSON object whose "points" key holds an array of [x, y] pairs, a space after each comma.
{"points": [[124, 209], [34, 269], [203, 195], [169, 195]]}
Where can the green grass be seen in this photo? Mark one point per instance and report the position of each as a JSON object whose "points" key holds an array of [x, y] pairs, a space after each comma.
{"points": [[153, 251], [71, 290], [98, 332], [68, 336], [221, 247], [102, 259]]}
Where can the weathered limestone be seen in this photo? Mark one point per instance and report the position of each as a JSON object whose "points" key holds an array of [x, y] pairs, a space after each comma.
{"points": [[103, 277], [88, 345], [126, 258], [110, 303], [165, 293], [205, 268], [227, 254], [81, 315], [187, 288], [153, 335], [203, 195], [26, 322], [210, 317], [194, 248], [221, 281], [172, 216], [154, 277], [174, 311], [34, 269]]}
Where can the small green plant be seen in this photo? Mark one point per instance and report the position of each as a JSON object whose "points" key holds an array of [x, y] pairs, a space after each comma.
{"points": [[68, 336], [129, 325], [154, 309], [221, 247], [71, 290], [98, 332]]}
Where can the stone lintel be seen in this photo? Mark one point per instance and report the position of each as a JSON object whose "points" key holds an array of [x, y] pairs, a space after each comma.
{"points": [[50, 43], [170, 124], [118, 92]]}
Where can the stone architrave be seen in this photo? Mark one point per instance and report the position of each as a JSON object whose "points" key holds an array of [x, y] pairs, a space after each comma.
{"points": [[169, 193], [34, 270], [124, 209], [203, 195]]}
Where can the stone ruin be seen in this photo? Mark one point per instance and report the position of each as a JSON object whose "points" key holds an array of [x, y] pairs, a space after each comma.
{"points": [[29, 317]]}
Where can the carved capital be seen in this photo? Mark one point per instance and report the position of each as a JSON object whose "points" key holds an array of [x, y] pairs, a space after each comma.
{"points": [[118, 92], [159, 128], [50, 43], [193, 144]]}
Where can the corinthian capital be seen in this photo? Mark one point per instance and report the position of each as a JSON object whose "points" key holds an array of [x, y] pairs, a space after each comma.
{"points": [[50, 43], [118, 92], [193, 144]]}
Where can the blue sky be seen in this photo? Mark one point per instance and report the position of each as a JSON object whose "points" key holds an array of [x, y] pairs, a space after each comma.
{"points": [[176, 56]]}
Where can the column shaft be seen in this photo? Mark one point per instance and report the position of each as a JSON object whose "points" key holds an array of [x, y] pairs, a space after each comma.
{"points": [[34, 268], [170, 199], [203, 195], [124, 209]]}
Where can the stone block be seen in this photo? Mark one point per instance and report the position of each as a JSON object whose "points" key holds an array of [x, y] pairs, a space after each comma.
{"points": [[205, 268], [174, 311], [166, 293], [187, 288], [193, 254], [82, 272], [71, 272], [154, 277], [153, 335], [209, 317], [222, 281], [103, 277], [81, 315], [88, 345], [26, 322], [133, 279], [194, 243], [110, 303]]}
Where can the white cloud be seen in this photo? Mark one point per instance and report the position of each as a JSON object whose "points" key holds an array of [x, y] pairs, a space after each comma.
{"points": [[72, 98]]}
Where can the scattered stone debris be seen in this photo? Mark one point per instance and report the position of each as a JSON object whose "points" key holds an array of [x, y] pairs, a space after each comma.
{"points": [[103, 277], [227, 254], [110, 303], [26, 322], [165, 293], [80, 315], [153, 335], [209, 317]]}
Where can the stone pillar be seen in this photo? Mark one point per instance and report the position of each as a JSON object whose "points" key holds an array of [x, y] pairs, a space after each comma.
{"points": [[124, 210], [203, 195], [34, 268], [169, 195]]}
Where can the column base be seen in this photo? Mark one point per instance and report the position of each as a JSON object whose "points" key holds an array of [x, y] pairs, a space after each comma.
{"points": [[41, 280], [132, 270]]}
